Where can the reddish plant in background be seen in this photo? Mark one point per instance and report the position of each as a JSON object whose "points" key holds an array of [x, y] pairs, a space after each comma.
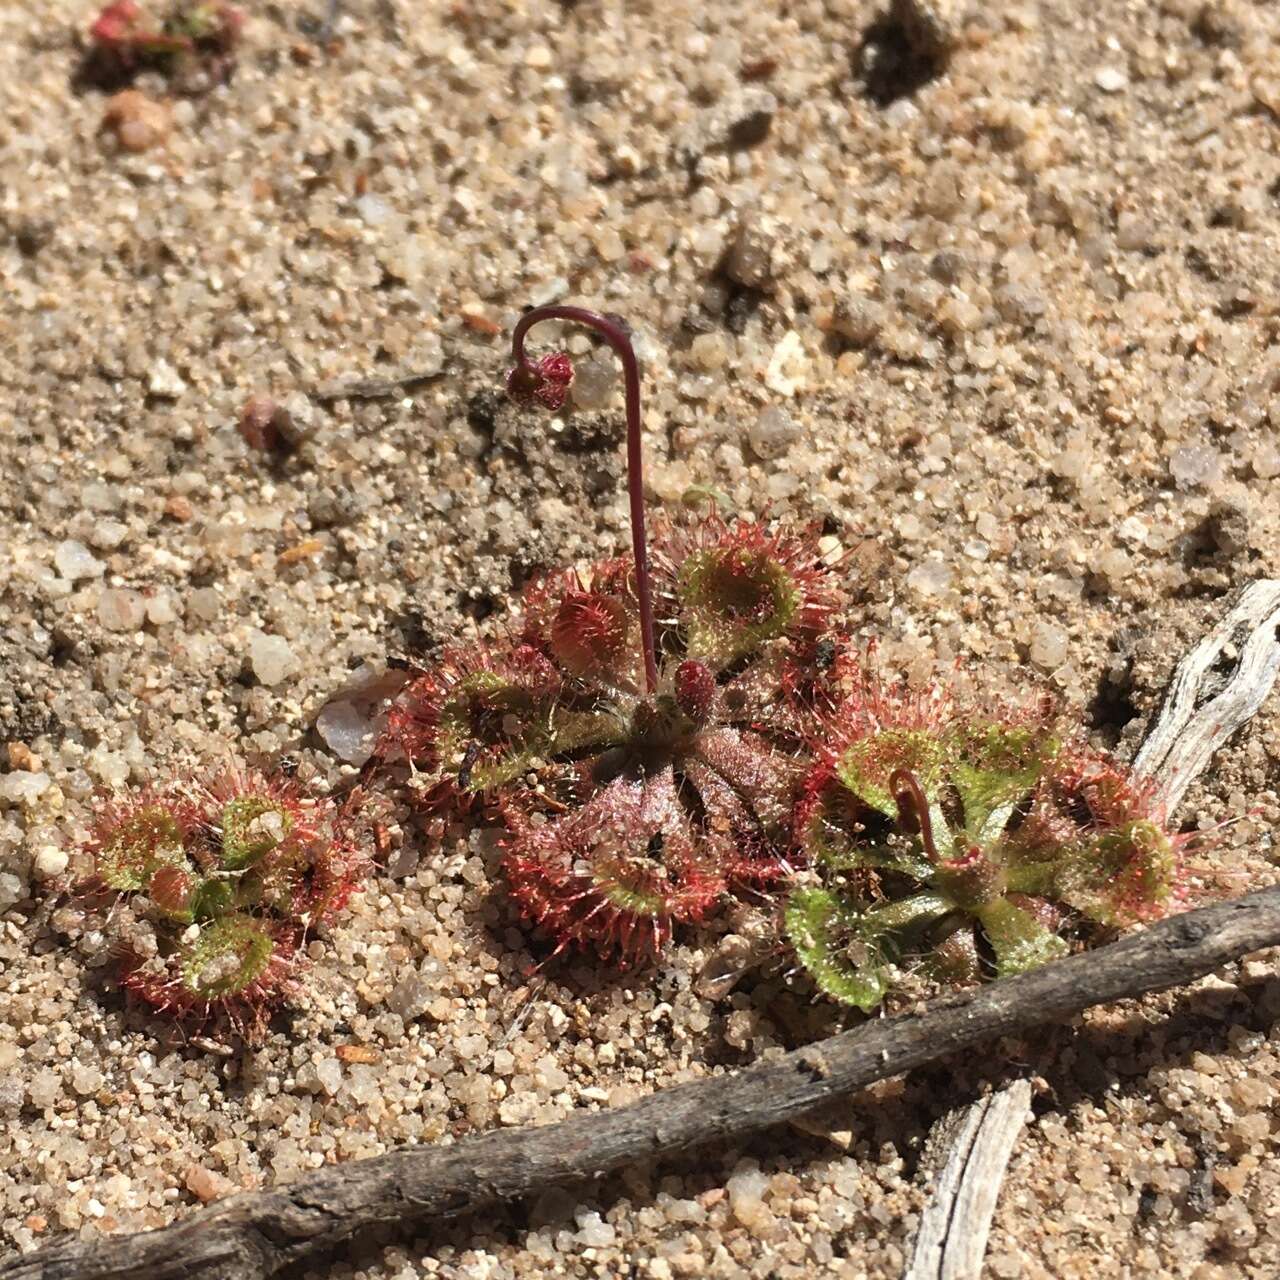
{"points": [[195, 40], [216, 884], [643, 765]]}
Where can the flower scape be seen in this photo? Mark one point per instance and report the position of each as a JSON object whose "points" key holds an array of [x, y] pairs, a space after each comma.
{"points": [[657, 735]]}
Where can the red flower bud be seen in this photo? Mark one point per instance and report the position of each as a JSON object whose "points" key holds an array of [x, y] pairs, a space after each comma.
{"points": [[545, 382], [695, 688]]}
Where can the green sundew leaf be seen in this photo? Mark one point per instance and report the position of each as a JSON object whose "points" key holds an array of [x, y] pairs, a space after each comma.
{"points": [[211, 898], [736, 603], [697, 494], [876, 857], [146, 840], [993, 826], [251, 827], [907, 914], [829, 941], [995, 767], [1038, 879], [866, 765], [227, 957], [842, 835], [273, 882], [1120, 876], [499, 718], [1020, 941], [945, 840]]}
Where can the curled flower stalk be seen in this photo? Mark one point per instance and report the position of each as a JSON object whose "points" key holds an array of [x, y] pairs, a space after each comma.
{"points": [[642, 729], [221, 880], [526, 375], [960, 844]]}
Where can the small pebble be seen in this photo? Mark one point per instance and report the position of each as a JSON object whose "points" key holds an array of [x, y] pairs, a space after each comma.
{"points": [[22, 787], [929, 577], [750, 258], [594, 381], [107, 535], [50, 862], [329, 1074], [73, 560], [11, 890], [85, 1080], [161, 609], [271, 658], [138, 122], [347, 732], [1266, 461], [207, 1185], [163, 380], [772, 433], [1197, 466], [709, 351], [1048, 646], [205, 604], [788, 369], [120, 609]]}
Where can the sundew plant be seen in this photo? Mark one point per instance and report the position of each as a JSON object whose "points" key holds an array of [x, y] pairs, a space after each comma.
{"points": [[661, 731]]}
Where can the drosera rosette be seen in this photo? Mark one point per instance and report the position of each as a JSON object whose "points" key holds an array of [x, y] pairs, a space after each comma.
{"points": [[951, 843], [214, 886], [642, 729]]}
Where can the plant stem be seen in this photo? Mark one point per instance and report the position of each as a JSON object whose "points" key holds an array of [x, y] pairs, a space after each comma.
{"points": [[913, 810], [618, 338]]}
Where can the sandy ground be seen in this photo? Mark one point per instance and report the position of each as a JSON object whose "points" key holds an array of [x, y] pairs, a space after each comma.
{"points": [[1009, 323]]}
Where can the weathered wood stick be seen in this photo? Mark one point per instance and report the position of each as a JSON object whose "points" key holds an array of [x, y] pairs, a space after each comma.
{"points": [[1217, 687], [248, 1237], [952, 1240]]}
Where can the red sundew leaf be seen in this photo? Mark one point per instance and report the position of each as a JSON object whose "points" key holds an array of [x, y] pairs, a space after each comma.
{"points": [[615, 875], [695, 690]]}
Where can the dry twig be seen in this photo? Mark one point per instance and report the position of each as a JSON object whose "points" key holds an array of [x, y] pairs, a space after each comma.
{"points": [[1218, 686], [952, 1239], [248, 1237]]}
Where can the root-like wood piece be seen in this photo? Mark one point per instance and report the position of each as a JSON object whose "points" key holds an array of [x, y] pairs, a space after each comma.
{"points": [[952, 1239], [1217, 687], [251, 1236]]}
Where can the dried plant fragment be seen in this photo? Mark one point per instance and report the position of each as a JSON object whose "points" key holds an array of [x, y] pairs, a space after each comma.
{"points": [[192, 43]]}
